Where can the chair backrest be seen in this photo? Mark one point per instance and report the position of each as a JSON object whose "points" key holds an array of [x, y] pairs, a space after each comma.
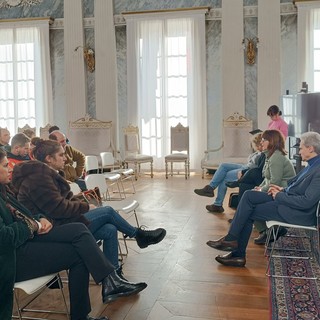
{"points": [[107, 159], [91, 163], [131, 140], [97, 180], [26, 127], [74, 187], [236, 137], [90, 135], [180, 138], [44, 131]]}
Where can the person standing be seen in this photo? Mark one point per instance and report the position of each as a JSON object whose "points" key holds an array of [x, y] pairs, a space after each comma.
{"points": [[276, 121]]}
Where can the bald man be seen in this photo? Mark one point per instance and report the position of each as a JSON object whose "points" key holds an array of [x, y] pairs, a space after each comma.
{"points": [[72, 155]]}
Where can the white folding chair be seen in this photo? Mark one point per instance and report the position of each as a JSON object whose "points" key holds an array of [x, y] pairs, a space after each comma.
{"points": [[37, 285], [125, 208], [92, 165], [273, 227], [108, 162]]}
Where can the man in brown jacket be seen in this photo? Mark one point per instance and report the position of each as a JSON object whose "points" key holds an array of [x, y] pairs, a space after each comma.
{"points": [[73, 174]]}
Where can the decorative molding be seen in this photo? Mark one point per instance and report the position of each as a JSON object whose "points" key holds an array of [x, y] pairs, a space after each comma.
{"points": [[18, 3], [237, 120], [88, 122], [213, 14]]}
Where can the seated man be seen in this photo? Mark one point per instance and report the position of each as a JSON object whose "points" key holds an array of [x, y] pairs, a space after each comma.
{"points": [[20, 146], [72, 156], [4, 137], [294, 204], [228, 172]]}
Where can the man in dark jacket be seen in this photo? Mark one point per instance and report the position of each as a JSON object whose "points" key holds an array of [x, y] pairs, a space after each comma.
{"points": [[295, 204]]}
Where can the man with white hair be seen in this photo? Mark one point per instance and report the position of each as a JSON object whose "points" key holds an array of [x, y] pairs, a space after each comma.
{"points": [[295, 204], [72, 173]]}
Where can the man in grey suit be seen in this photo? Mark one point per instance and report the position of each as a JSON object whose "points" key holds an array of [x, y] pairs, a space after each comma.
{"points": [[294, 204]]}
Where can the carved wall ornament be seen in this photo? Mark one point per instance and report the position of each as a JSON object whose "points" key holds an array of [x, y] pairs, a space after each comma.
{"points": [[18, 3]]}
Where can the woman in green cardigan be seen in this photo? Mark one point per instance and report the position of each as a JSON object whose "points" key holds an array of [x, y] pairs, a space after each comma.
{"points": [[277, 170], [31, 247]]}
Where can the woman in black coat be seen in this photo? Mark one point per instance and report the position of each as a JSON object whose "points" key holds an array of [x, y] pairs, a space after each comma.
{"points": [[31, 247]]}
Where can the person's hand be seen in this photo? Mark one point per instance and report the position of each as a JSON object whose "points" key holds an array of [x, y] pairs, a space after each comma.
{"points": [[239, 174], [257, 188], [91, 206], [274, 189], [46, 226]]}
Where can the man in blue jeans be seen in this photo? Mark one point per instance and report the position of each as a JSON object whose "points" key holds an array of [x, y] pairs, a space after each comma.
{"points": [[229, 172], [295, 204]]}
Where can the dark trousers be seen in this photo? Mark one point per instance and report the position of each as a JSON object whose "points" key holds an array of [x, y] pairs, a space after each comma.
{"points": [[67, 247], [252, 178], [254, 205]]}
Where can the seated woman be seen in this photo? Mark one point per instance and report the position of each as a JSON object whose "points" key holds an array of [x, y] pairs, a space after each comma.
{"points": [[295, 204], [228, 172], [42, 189], [31, 247], [277, 170]]}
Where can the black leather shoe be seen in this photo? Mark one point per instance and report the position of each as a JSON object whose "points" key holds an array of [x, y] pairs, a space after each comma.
{"points": [[263, 236], [223, 245], [114, 287], [232, 184], [207, 191], [261, 239], [91, 318], [146, 237], [230, 261]]}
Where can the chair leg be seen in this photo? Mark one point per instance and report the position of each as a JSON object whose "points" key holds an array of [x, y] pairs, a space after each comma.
{"points": [[151, 167], [166, 169]]}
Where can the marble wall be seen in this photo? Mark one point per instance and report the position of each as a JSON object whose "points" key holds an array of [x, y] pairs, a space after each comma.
{"points": [[54, 8]]}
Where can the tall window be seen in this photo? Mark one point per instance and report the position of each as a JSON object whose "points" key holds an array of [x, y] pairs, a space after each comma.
{"points": [[166, 81], [309, 44], [316, 53], [25, 85]]}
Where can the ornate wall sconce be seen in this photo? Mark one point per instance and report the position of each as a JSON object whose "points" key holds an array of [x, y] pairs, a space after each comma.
{"points": [[88, 54], [250, 45]]}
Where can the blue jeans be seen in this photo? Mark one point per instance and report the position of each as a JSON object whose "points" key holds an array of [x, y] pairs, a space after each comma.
{"points": [[254, 205], [105, 223], [225, 173]]}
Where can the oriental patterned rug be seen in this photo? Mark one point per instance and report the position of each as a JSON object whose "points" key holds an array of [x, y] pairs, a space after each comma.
{"points": [[294, 299]]}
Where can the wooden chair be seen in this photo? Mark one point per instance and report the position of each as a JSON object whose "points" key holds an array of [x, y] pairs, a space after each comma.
{"points": [[44, 131], [28, 128], [235, 146], [179, 149], [132, 151], [91, 136]]}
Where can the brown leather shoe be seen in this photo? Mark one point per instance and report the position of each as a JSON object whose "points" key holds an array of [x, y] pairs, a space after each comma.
{"points": [[223, 245], [230, 261], [215, 209]]}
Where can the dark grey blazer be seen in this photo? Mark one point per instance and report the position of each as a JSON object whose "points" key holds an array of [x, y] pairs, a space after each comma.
{"points": [[298, 205]]}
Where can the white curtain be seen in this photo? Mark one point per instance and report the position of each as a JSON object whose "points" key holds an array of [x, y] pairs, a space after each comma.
{"points": [[166, 76], [25, 75], [308, 40]]}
